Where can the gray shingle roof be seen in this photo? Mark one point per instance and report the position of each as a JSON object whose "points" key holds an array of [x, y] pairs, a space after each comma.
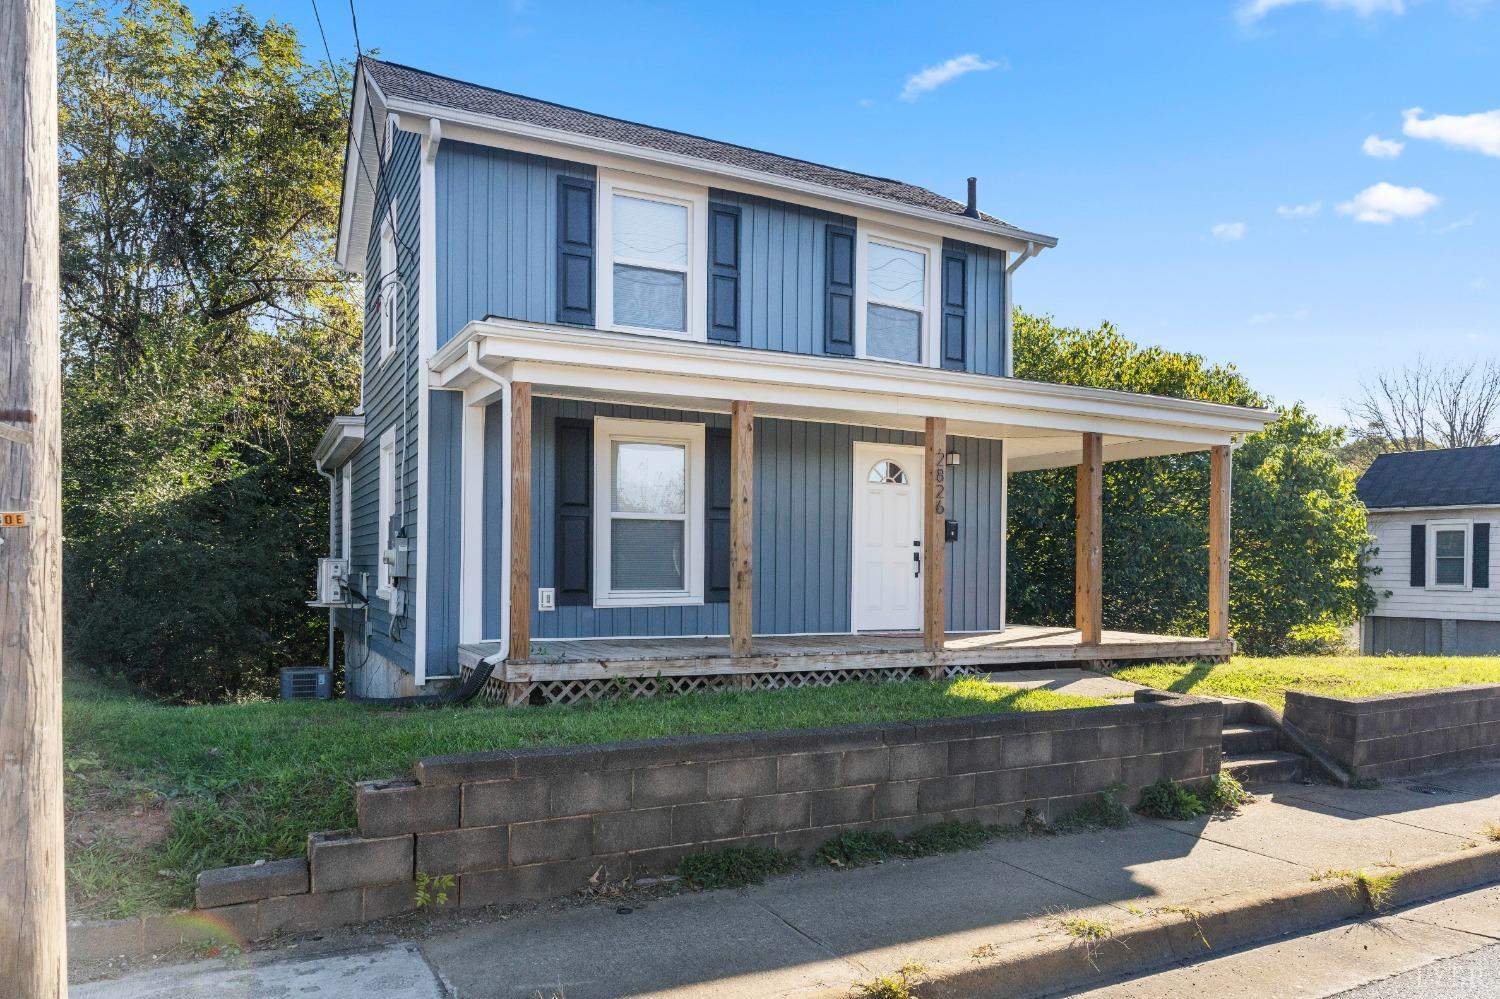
{"points": [[397, 81], [1464, 476]]}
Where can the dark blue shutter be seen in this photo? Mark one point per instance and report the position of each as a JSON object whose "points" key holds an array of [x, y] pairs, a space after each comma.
{"points": [[574, 556], [1480, 571], [955, 307], [575, 251], [716, 541], [838, 282], [1419, 554], [724, 273]]}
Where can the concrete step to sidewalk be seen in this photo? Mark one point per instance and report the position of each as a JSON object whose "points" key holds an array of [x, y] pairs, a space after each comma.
{"points": [[1247, 740], [1266, 766]]}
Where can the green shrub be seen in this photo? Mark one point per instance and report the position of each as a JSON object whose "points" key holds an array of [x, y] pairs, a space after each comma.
{"points": [[1104, 811], [858, 848], [1165, 800], [735, 867], [1225, 794]]}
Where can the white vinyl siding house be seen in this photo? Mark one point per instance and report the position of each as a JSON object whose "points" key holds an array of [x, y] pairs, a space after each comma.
{"points": [[1434, 560]]}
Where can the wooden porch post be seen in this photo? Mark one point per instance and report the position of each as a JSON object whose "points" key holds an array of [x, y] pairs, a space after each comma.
{"points": [[741, 525], [520, 521], [1218, 542], [1088, 577], [934, 513]]}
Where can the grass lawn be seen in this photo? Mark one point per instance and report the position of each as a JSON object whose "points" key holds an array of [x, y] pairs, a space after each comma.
{"points": [[157, 793], [1268, 680]]}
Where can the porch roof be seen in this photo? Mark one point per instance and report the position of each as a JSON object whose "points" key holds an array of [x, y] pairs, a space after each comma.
{"points": [[1043, 423]]}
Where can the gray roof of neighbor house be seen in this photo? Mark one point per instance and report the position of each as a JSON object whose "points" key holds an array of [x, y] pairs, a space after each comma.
{"points": [[403, 82], [1461, 476]]}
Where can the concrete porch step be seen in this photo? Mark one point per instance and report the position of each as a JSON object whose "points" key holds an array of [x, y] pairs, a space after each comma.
{"points": [[1245, 740], [1266, 766]]}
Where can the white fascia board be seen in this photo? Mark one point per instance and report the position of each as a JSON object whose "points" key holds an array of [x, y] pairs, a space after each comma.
{"points": [[358, 198], [1375, 511], [550, 354], [342, 438], [483, 129]]}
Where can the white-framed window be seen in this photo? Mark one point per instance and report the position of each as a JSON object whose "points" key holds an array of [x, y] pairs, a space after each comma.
{"points": [[896, 282], [386, 512], [648, 519], [653, 257], [1449, 546], [387, 298], [346, 507]]}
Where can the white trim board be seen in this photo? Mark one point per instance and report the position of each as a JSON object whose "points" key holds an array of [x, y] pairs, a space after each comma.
{"points": [[1041, 421]]}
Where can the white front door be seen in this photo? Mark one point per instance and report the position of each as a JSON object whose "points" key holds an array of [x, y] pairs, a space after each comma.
{"points": [[888, 556]]}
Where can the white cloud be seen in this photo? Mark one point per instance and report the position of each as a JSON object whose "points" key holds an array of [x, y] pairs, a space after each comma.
{"points": [[1261, 318], [1462, 223], [1478, 132], [1306, 211], [1228, 232], [1382, 149], [1383, 203], [865, 102], [1253, 10], [935, 76]]}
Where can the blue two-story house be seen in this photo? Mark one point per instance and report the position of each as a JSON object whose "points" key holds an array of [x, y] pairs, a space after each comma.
{"points": [[643, 410]]}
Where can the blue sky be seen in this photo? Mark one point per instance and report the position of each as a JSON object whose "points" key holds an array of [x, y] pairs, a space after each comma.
{"points": [[1202, 162]]}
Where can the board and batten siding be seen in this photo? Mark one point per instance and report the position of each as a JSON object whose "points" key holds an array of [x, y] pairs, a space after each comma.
{"points": [[496, 234], [802, 522], [781, 271], [443, 529], [390, 392], [984, 318], [1392, 533]]}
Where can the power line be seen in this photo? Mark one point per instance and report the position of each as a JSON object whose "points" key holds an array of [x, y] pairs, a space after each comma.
{"points": [[354, 19], [326, 49]]}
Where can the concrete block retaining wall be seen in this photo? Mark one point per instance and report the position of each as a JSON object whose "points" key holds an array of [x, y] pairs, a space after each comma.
{"points": [[1396, 735], [532, 823]]}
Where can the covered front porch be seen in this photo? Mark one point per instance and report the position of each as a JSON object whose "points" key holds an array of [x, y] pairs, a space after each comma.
{"points": [[743, 393]]}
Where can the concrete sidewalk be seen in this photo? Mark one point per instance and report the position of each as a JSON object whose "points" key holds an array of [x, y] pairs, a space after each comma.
{"points": [[819, 932]]}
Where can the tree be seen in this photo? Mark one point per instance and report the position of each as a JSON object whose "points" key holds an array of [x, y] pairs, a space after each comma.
{"points": [[207, 341], [1298, 529], [1421, 405]]}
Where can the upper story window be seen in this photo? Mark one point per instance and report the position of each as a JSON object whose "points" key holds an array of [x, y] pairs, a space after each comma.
{"points": [[897, 276], [648, 545], [653, 265], [386, 298], [1448, 548]]}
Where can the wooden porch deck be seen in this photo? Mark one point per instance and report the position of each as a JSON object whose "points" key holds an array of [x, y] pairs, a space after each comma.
{"points": [[602, 659]]}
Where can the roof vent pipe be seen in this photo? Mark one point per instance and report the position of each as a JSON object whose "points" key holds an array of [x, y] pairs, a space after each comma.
{"points": [[972, 210]]}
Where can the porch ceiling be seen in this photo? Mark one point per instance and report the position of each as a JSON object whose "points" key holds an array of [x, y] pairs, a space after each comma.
{"points": [[1043, 423]]}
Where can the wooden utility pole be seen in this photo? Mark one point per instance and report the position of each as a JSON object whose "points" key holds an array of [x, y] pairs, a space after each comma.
{"points": [[1088, 572], [33, 928]]}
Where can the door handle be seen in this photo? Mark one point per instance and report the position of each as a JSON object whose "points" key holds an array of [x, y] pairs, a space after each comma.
{"points": [[917, 558]]}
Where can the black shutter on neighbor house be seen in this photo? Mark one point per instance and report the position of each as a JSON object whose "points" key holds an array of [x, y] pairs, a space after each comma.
{"points": [[1480, 557], [724, 273], [955, 307], [575, 251], [716, 529], [838, 284], [1419, 554], [574, 559]]}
